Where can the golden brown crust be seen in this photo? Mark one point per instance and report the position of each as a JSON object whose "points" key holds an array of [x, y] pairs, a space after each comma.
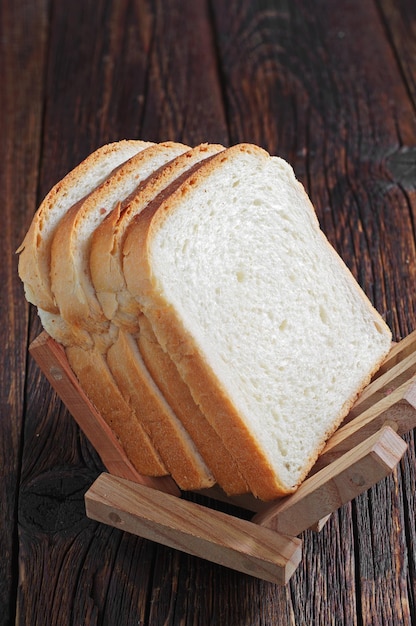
{"points": [[174, 446], [96, 380]]}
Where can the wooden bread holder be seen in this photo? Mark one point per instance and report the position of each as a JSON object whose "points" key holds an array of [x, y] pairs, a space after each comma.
{"points": [[364, 450]]}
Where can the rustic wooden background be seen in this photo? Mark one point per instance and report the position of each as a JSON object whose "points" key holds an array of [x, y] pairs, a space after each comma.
{"points": [[331, 87]]}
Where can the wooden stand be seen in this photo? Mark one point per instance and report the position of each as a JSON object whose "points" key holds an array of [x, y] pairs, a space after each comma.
{"points": [[363, 451]]}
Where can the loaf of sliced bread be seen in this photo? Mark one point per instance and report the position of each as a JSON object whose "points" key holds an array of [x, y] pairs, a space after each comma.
{"points": [[267, 326], [203, 311]]}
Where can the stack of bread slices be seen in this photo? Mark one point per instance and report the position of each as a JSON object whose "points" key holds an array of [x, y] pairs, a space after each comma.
{"points": [[203, 311]]}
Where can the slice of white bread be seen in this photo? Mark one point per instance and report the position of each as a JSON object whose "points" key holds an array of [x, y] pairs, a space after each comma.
{"points": [[124, 311], [79, 307], [267, 326]]}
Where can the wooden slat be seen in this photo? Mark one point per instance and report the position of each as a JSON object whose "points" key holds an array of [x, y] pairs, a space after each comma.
{"points": [[399, 352], [402, 369], [397, 410], [193, 529], [335, 485]]}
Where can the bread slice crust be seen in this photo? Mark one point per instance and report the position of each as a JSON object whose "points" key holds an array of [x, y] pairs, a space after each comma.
{"points": [[174, 389], [98, 384], [166, 432]]}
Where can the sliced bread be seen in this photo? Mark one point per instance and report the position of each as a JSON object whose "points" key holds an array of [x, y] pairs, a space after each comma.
{"points": [[265, 323], [71, 282], [35, 251], [106, 260], [166, 375], [98, 384]]}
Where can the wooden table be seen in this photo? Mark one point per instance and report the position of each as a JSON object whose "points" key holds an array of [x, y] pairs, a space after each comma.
{"points": [[329, 86]]}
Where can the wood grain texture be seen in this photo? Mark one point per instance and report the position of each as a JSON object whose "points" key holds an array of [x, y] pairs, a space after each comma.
{"points": [[183, 99], [339, 110], [22, 48], [333, 91]]}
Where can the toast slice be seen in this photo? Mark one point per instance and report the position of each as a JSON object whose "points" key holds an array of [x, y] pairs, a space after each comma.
{"points": [[267, 326]]}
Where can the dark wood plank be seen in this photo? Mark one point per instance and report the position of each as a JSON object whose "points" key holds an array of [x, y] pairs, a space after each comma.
{"points": [[381, 556], [117, 70], [329, 90], [399, 20], [23, 29], [95, 81], [183, 99]]}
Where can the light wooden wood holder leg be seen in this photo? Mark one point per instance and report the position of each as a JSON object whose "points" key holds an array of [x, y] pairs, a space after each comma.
{"points": [[364, 450], [194, 529]]}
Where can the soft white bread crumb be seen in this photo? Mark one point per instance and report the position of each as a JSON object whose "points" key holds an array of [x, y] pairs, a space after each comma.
{"points": [[268, 327]]}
